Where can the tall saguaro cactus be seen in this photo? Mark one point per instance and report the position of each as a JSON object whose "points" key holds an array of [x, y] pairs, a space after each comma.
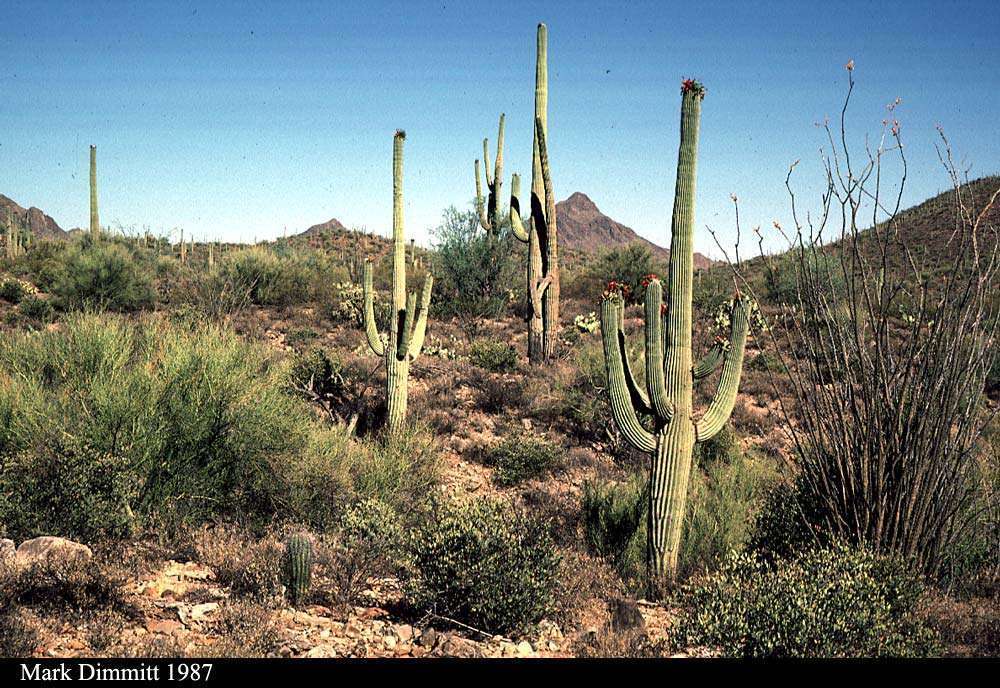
{"points": [[670, 371], [95, 223], [540, 233], [489, 212], [408, 323]]}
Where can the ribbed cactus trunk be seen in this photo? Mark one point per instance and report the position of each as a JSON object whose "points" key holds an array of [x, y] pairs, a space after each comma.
{"points": [[489, 211], [540, 233], [670, 368], [95, 222], [298, 563], [407, 324]]}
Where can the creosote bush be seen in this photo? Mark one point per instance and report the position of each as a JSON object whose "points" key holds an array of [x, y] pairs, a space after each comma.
{"points": [[483, 563], [834, 602], [520, 458], [494, 356]]}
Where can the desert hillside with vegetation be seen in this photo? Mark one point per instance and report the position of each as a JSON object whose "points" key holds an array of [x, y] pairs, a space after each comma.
{"points": [[342, 444]]}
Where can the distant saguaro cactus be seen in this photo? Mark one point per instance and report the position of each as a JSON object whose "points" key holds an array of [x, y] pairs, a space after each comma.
{"points": [[298, 563], [540, 233], [407, 324], [670, 373], [95, 223], [489, 212]]}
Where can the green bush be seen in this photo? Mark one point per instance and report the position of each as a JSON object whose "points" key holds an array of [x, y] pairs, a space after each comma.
{"points": [[724, 497], [614, 523], [495, 356], [267, 278], [103, 275], [834, 602], [37, 309], [366, 545], [628, 265], [473, 272], [108, 425], [723, 448], [12, 290], [520, 458], [485, 564]]}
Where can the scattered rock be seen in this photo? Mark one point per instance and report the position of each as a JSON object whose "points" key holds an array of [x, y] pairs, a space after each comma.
{"points": [[428, 638], [404, 632], [165, 626], [8, 552], [47, 549], [524, 649], [390, 641]]}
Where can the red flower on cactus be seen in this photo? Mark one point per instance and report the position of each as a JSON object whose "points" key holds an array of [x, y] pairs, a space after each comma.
{"points": [[663, 309], [692, 86], [648, 278], [616, 287]]}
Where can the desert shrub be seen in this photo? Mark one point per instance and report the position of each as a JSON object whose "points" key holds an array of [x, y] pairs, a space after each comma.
{"points": [[495, 395], [473, 271], [108, 425], [483, 563], [103, 275], [993, 379], [19, 636], [724, 497], [628, 265], [245, 629], [613, 519], [268, 279], [36, 309], [723, 448], [66, 582], [400, 471], [12, 290], [324, 379], [494, 356], [366, 544], [249, 566], [834, 602], [520, 458]]}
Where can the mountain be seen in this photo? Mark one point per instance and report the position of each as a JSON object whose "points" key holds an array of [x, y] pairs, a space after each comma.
{"points": [[331, 226], [583, 227], [41, 225]]}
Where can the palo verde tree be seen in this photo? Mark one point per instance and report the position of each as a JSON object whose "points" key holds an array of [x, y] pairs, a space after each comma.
{"points": [[670, 371]]}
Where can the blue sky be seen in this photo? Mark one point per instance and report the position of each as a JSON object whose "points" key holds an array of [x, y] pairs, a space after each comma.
{"points": [[235, 120]]}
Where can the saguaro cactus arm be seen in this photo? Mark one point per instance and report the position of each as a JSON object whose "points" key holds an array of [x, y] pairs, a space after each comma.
{"points": [[725, 397], [488, 217], [371, 328], [516, 225], [707, 365], [420, 329], [640, 400], [622, 408], [655, 382]]}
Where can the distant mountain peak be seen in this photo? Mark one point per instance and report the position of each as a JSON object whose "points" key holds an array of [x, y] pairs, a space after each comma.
{"points": [[40, 224], [583, 227]]}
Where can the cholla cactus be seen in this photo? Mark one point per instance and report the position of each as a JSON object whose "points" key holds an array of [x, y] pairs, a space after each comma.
{"points": [[407, 323], [670, 370], [489, 212], [540, 233]]}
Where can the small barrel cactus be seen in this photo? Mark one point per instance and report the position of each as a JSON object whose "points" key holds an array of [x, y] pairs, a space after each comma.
{"points": [[298, 567]]}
